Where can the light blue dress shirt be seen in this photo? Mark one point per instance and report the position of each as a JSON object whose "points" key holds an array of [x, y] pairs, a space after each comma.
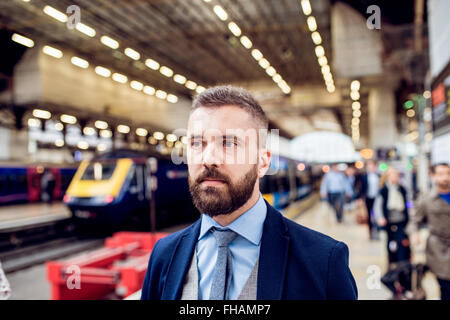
{"points": [[244, 249]]}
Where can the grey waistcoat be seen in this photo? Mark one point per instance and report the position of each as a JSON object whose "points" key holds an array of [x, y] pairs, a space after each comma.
{"points": [[190, 289]]}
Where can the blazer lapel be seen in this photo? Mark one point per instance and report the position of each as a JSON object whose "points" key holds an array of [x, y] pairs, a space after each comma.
{"points": [[273, 256], [180, 262]]}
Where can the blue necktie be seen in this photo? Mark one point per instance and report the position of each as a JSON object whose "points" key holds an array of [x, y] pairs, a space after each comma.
{"points": [[222, 270]]}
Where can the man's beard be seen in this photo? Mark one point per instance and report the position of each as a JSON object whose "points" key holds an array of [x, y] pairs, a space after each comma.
{"points": [[223, 199]]}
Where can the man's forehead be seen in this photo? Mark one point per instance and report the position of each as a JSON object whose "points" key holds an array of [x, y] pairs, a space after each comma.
{"points": [[221, 118]]}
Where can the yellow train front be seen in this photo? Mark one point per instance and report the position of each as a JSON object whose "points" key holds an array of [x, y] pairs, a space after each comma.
{"points": [[115, 193]]}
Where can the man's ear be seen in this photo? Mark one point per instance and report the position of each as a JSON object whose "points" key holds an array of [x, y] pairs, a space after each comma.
{"points": [[264, 162]]}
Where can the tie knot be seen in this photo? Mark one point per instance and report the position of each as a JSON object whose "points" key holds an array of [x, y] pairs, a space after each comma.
{"points": [[223, 236]]}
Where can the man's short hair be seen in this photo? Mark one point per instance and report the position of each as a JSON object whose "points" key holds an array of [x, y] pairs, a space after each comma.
{"points": [[232, 96], [434, 166]]}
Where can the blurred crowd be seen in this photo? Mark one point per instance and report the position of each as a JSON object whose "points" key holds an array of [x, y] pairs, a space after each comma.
{"points": [[383, 201]]}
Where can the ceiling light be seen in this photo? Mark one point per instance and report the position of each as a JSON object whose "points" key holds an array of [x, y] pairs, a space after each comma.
{"points": [[331, 88], [320, 51], [136, 85], [166, 71], [356, 105], [83, 145], [190, 85], [325, 69], [59, 143], [27, 42], [220, 12], [55, 53], [149, 90], [152, 64], [123, 128], [328, 76], [410, 113], [35, 123], [161, 94], [119, 77], [79, 62], [58, 15], [171, 137], [355, 121], [85, 29], [109, 42], [354, 95], [172, 98], [356, 113], [102, 71], [234, 28], [178, 78], [101, 147], [88, 131], [246, 42], [277, 78], [141, 132], [271, 71], [306, 7], [133, 54], [316, 38], [42, 114], [355, 85], [322, 61], [264, 63], [158, 135], [200, 89], [257, 54], [99, 124], [312, 25], [68, 119], [59, 126]]}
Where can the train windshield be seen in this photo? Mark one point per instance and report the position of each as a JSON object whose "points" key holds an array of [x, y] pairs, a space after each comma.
{"points": [[99, 171]]}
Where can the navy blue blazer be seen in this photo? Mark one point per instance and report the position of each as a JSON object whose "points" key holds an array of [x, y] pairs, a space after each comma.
{"points": [[295, 263]]}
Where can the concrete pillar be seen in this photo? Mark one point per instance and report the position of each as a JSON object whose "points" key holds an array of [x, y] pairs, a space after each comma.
{"points": [[13, 144], [381, 107]]}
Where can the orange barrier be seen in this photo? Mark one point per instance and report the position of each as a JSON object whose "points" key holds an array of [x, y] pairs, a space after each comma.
{"points": [[119, 267]]}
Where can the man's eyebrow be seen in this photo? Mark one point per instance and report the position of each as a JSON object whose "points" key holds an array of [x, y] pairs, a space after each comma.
{"points": [[232, 137]]}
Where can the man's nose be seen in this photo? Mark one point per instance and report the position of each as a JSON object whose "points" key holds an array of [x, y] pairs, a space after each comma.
{"points": [[212, 155]]}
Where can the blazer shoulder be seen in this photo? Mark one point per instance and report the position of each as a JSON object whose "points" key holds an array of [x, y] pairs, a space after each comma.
{"points": [[309, 236], [169, 242]]}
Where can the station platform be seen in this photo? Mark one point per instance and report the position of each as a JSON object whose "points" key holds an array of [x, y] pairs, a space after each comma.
{"points": [[368, 259], [23, 216]]}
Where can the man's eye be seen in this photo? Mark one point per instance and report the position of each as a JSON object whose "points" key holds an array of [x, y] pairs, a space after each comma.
{"points": [[196, 144], [229, 143]]}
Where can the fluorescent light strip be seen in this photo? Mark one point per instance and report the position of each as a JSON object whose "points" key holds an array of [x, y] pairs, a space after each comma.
{"points": [[312, 24], [246, 42], [234, 28], [109, 42], [118, 77], [85, 29], [79, 62], [306, 7], [102, 71], [220, 12], [27, 42], [133, 54], [55, 14], [52, 52]]}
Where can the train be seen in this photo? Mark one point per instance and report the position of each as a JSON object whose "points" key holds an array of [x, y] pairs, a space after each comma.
{"points": [[22, 183], [288, 181], [126, 190]]}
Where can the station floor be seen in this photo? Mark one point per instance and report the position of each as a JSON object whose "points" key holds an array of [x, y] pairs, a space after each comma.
{"points": [[368, 259]]}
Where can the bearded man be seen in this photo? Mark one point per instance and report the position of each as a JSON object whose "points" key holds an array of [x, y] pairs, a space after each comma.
{"points": [[241, 247]]}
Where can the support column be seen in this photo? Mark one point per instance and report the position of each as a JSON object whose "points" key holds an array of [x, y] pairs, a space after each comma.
{"points": [[382, 129]]}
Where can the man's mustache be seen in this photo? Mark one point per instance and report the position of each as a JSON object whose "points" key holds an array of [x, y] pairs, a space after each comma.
{"points": [[212, 173]]}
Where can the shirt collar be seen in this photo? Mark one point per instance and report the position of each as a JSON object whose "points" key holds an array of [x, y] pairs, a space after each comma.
{"points": [[249, 225]]}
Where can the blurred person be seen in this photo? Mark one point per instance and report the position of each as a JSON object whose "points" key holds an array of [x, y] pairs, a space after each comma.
{"points": [[47, 185], [391, 212], [369, 191], [335, 187], [241, 247], [5, 289], [433, 210]]}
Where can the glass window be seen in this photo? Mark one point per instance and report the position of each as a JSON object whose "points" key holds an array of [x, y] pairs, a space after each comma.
{"points": [[99, 171]]}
